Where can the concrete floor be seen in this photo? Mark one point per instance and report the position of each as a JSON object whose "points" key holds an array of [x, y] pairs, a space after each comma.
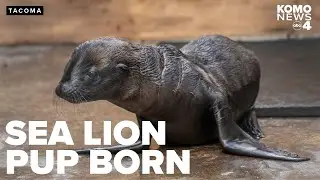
{"points": [[28, 76]]}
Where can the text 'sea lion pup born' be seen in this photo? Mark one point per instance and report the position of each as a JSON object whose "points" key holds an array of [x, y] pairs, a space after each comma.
{"points": [[205, 91]]}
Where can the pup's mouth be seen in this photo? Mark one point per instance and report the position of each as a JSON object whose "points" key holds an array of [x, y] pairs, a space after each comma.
{"points": [[72, 96], [72, 99]]}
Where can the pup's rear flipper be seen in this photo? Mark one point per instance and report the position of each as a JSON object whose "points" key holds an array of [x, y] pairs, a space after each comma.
{"points": [[249, 123], [236, 141]]}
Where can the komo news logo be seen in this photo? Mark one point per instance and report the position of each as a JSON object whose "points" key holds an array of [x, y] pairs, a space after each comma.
{"points": [[300, 15], [24, 10]]}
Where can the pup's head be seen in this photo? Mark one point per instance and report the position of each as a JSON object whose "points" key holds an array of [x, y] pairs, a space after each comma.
{"points": [[98, 70]]}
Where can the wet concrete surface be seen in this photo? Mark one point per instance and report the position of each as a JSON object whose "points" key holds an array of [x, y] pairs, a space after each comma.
{"points": [[29, 75], [290, 68]]}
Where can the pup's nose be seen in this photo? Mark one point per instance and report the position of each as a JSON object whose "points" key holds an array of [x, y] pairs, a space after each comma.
{"points": [[59, 90], [62, 89]]}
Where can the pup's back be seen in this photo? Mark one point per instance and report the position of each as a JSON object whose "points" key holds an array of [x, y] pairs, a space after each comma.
{"points": [[228, 61]]}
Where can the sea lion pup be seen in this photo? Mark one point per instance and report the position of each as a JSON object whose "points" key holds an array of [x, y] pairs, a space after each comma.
{"points": [[204, 91]]}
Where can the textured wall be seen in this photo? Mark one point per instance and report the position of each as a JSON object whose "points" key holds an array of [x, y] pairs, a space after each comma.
{"points": [[79, 20]]}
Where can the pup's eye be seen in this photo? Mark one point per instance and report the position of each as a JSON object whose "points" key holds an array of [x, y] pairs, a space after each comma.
{"points": [[122, 66], [90, 75]]}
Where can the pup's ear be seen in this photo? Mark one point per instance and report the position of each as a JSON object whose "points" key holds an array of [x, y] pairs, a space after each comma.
{"points": [[122, 67]]}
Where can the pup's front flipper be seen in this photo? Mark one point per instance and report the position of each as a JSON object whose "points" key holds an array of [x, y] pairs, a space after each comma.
{"points": [[236, 141]]}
